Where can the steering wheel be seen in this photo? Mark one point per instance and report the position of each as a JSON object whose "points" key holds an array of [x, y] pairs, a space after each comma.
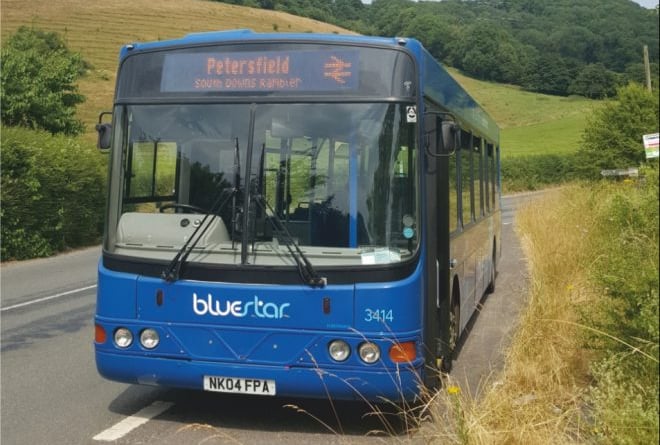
{"points": [[186, 208]]}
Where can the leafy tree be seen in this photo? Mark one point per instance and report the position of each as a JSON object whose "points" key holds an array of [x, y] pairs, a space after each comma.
{"points": [[389, 17], [347, 10], [613, 136], [595, 82], [38, 82], [575, 42], [549, 74], [489, 53], [636, 72], [433, 31]]}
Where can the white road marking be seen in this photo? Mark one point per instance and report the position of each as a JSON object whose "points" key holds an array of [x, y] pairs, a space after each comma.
{"points": [[51, 297], [127, 425]]}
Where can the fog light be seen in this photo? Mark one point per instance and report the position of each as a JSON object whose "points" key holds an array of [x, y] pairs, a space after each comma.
{"points": [[123, 338], [369, 352], [339, 350], [149, 338]]}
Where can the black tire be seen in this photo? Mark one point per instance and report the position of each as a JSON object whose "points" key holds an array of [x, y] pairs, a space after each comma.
{"points": [[454, 335], [493, 274]]}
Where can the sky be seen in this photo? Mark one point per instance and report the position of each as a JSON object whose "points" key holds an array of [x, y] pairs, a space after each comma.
{"points": [[645, 3]]}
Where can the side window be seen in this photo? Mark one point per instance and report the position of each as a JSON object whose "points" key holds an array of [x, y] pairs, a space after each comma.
{"points": [[488, 175], [153, 167], [477, 170], [453, 192], [465, 155], [495, 162]]}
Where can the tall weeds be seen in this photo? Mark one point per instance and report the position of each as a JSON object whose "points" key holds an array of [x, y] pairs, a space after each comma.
{"points": [[583, 365], [625, 390]]}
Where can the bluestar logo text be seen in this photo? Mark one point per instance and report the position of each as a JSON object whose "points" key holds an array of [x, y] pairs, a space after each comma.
{"points": [[255, 308]]}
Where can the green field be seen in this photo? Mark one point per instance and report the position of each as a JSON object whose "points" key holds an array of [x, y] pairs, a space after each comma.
{"points": [[557, 136], [531, 123]]}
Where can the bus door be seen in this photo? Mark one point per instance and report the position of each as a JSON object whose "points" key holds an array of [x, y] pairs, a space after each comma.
{"points": [[437, 301]]}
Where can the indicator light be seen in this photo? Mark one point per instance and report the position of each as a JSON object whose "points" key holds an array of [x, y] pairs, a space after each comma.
{"points": [[99, 334], [403, 352]]}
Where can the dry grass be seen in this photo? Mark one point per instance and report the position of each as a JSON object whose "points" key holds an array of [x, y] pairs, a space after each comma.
{"points": [[539, 396], [97, 29]]}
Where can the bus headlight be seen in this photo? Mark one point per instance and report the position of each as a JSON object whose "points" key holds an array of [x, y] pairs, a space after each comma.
{"points": [[339, 350], [123, 338], [369, 352], [149, 338]]}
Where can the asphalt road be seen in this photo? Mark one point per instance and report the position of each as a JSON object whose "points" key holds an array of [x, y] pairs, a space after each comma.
{"points": [[51, 393]]}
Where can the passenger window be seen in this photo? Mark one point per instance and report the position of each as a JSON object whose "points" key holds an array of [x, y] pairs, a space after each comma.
{"points": [[476, 177], [487, 177], [453, 192], [465, 155], [497, 172]]}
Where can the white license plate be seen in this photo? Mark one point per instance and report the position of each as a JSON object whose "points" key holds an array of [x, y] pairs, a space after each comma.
{"points": [[260, 387]]}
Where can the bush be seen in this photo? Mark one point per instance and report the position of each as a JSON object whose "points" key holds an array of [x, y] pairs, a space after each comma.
{"points": [[536, 171], [625, 246], [52, 193], [613, 137]]}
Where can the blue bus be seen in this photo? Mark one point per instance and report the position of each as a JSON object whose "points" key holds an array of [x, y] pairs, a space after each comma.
{"points": [[295, 215]]}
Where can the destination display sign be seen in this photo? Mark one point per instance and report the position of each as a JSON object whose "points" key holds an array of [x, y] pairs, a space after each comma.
{"points": [[266, 71]]}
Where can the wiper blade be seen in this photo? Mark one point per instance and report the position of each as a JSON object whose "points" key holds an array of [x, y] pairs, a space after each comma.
{"points": [[172, 271], [306, 271]]}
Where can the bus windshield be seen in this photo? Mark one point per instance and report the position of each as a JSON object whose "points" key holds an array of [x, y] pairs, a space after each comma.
{"points": [[342, 178]]}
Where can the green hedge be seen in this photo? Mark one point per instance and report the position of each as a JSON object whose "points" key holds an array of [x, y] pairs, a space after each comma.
{"points": [[52, 193], [537, 171]]}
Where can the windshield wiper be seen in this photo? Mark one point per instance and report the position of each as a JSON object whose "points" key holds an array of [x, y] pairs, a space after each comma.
{"points": [[237, 186], [306, 271], [172, 271]]}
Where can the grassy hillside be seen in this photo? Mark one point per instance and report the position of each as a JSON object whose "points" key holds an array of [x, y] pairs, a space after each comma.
{"points": [[98, 28], [531, 123]]}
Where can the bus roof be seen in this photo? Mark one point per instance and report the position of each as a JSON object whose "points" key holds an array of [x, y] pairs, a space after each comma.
{"points": [[247, 35]]}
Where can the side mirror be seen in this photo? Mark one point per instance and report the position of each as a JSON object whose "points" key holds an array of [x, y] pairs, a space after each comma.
{"points": [[442, 134], [104, 132], [450, 134]]}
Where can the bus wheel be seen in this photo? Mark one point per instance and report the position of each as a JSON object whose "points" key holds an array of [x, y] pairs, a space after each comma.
{"points": [[454, 326], [493, 271]]}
